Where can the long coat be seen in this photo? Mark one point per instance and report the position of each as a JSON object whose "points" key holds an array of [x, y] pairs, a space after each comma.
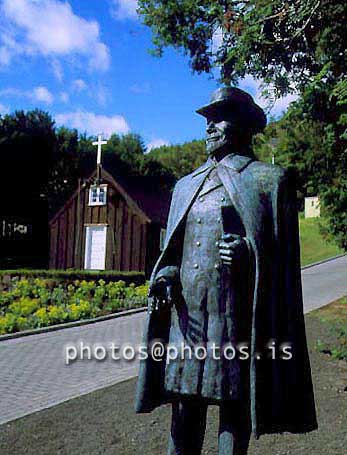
{"points": [[281, 393]]}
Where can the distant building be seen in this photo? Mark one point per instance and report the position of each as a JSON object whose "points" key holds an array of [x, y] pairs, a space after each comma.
{"points": [[23, 232], [112, 223], [312, 207]]}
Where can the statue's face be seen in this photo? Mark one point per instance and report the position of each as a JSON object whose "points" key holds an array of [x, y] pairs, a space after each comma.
{"points": [[220, 131]]}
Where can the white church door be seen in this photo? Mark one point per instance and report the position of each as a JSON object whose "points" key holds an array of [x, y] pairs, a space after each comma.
{"points": [[95, 251]]}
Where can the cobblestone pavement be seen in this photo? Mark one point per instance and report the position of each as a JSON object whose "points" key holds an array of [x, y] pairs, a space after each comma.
{"points": [[34, 375]]}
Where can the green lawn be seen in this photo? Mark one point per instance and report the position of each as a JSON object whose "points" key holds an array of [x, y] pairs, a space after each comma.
{"points": [[314, 247]]}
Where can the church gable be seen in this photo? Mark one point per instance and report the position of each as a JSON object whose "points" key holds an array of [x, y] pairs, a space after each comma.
{"points": [[103, 227]]}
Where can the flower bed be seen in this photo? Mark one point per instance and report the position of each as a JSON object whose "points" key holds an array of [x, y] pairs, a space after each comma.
{"points": [[34, 303], [70, 275]]}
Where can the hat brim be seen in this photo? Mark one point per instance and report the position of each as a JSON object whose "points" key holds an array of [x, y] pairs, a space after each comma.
{"points": [[256, 117], [212, 108]]}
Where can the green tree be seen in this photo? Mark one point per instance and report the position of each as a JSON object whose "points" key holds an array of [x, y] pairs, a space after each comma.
{"points": [[27, 146], [63, 174], [283, 43], [123, 155], [290, 47], [40, 160], [181, 159]]}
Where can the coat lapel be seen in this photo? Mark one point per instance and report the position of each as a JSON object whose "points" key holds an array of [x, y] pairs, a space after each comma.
{"points": [[229, 171], [180, 205], [230, 168], [186, 195], [236, 186]]}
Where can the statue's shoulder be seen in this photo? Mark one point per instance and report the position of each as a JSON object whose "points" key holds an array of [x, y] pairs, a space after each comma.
{"points": [[265, 171], [183, 181], [268, 176]]}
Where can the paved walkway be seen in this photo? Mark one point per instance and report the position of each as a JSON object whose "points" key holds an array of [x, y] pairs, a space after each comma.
{"points": [[34, 376], [324, 283]]}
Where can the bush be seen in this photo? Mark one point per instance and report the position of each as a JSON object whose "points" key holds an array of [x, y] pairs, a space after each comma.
{"points": [[36, 302], [54, 277]]}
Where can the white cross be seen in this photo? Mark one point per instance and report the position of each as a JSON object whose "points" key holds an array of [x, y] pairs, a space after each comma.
{"points": [[99, 143]]}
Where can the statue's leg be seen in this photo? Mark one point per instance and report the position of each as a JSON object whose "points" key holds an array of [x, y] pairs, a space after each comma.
{"points": [[188, 427], [234, 430]]}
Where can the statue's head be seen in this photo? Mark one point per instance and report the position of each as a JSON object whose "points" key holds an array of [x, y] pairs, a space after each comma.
{"points": [[232, 119]]}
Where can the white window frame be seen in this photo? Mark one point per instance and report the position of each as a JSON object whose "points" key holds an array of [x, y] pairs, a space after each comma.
{"points": [[98, 201]]}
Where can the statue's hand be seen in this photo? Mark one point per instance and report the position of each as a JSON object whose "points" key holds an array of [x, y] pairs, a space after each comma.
{"points": [[162, 289], [161, 292], [231, 247]]}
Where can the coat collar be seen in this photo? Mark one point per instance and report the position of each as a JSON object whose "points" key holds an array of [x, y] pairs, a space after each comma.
{"points": [[234, 162]]}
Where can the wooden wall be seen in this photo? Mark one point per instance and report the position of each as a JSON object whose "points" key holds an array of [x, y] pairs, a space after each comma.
{"points": [[127, 234]]}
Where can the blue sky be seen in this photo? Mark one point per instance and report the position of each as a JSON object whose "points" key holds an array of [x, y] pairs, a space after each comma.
{"points": [[87, 63]]}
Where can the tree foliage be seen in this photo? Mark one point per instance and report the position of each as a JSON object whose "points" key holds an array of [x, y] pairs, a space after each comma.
{"points": [[125, 155], [43, 163], [295, 46], [283, 43], [27, 143], [181, 159]]}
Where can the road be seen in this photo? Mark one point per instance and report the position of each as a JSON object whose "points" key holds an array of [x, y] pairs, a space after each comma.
{"points": [[324, 283], [33, 370]]}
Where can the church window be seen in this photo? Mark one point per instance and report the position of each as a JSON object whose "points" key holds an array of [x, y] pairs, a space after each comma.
{"points": [[97, 195]]}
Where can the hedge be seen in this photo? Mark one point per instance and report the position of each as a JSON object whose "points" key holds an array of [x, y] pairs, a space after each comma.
{"points": [[71, 275]]}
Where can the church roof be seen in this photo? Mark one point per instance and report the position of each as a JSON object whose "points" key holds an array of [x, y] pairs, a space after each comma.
{"points": [[149, 194]]}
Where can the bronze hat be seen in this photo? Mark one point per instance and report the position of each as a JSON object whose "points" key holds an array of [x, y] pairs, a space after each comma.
{"points": [[235, 99]]}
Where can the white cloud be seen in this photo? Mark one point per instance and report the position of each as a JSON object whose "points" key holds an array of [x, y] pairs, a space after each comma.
{"points": [[141, 89], [4, 109], [124, 9], [79, 85], [93, 123], [101, 94], [57, 70], [5, 56], [281, 105], [43, 94], [8, 46], [50, 28], [155, 143], [10, 91], [274, 107], [40, 94], [217, 40], [64, 97], [250, 85]]}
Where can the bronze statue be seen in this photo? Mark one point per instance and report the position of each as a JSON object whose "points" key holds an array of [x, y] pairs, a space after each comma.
{"points": [[228, 286]]}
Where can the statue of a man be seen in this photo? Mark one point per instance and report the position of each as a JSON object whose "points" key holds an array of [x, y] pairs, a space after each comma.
{"points": [[225, 295]]}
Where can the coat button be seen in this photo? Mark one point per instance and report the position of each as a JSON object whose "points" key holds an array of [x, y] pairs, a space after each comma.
{"points": [[219, 219], [216, 266], [198, 220], [198, 243], [196, 266], [222, 198], [217, 243], [201, 199]]}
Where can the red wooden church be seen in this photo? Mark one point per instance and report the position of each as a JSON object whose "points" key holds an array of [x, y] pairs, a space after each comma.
{"points": [[110, 223]]}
